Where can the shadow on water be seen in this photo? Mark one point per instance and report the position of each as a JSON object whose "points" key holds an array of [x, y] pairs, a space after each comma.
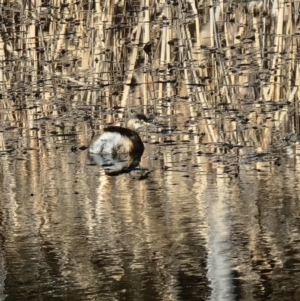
{"points": [[210, 211]]}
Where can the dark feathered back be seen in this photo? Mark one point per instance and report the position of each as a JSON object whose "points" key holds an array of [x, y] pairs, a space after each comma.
{"points": [[132, 135], [123, 131]]}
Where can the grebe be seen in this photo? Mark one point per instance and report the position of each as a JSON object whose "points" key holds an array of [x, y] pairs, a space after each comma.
{"points": [[120, 140]]}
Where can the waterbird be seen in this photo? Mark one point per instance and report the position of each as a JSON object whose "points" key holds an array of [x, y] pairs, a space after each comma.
{"points": [[116, 140]]}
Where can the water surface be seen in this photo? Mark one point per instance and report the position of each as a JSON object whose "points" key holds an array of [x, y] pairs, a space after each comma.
{"points": [[189, 231]]}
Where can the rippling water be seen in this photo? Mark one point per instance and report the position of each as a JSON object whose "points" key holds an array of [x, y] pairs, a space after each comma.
{"points": [[189, 231]]}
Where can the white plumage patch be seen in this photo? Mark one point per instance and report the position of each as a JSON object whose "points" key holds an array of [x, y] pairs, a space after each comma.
{"points": [[111, 142]]}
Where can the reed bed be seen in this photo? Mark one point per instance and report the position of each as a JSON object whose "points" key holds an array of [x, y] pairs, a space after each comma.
{"points": [[230, 67]]}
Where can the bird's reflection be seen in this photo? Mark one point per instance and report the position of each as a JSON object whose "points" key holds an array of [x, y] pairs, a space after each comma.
{"points": [[122, 163]]}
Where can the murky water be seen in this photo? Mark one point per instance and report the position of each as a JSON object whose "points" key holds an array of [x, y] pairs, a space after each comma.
{"points": [[189, 231]]}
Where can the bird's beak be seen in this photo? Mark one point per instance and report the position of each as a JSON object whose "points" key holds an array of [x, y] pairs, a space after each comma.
{"points": [[145, 123]]}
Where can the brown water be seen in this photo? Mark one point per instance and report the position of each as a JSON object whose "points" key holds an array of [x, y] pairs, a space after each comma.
{"points": [[189, 231]]}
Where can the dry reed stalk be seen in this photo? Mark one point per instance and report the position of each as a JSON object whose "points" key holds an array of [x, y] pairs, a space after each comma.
{"points": [[132, 61], [200, 93], [2, 69], [197, 31], [211, 23], [297, 79], [162, 55], [93, 44], [168, 50], [2, 142], [146, 39], [292, 47], [225, 78], [87, 43], [57, 42], [100, 41], [272, 92], [257, 44], [32, 64], [185, 39]]}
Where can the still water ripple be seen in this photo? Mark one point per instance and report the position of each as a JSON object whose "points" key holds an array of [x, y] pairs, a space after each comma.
{"points": [[71, 232]]}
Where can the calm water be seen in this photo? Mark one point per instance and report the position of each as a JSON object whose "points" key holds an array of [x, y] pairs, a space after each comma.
{"points": [[191, 230]]}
